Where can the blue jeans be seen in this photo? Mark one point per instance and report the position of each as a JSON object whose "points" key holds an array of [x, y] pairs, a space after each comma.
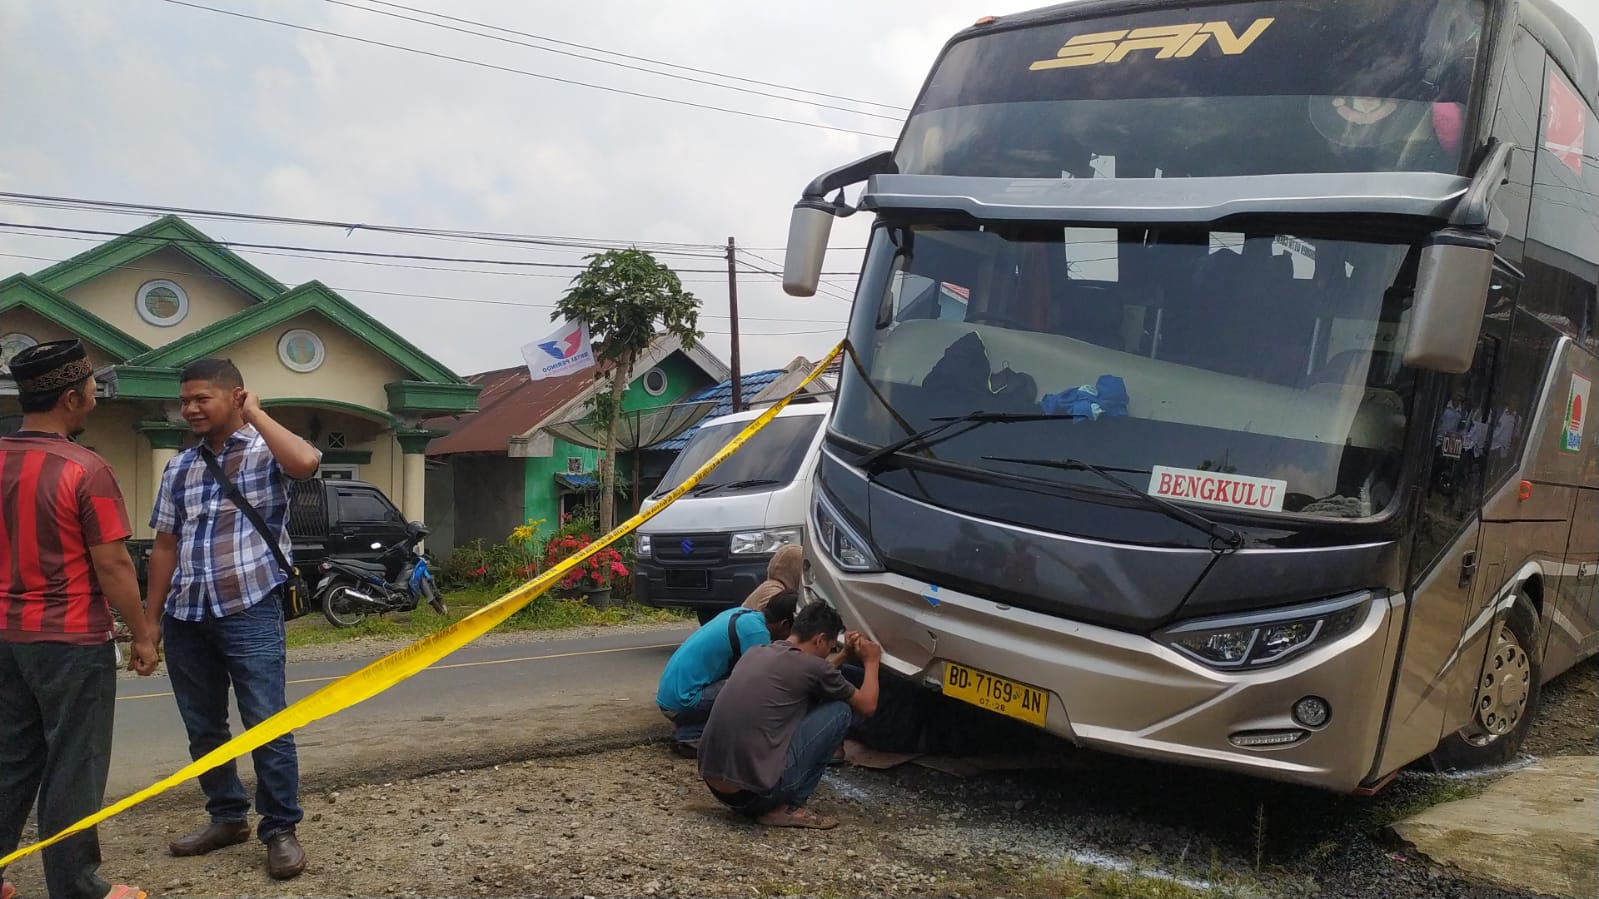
{"points": [[689, 724], [246, 649], [818, 737]]}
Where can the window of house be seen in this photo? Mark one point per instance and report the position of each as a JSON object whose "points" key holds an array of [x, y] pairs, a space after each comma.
{"points": [[12, 344], [161, 303]]}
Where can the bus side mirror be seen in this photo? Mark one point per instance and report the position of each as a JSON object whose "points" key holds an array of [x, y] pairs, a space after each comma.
{"points": [[808, 229], [1452, 283], [812, 220]]}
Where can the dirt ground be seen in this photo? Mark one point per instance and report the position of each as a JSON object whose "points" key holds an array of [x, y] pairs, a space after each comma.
{"points": [[1569, 715], [636, 821]]}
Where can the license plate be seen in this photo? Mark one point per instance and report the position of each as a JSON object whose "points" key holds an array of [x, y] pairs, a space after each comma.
{"points": [[997, 694], [688, 580]]}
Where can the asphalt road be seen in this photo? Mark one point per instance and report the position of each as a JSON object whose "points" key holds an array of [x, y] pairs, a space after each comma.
{"points": [[479, 706]]}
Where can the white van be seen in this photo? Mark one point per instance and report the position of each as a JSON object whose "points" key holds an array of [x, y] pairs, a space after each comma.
{"points": [[709, 549]]}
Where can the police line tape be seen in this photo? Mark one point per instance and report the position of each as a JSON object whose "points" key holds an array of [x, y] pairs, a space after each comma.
{"points": [[395, 667]]}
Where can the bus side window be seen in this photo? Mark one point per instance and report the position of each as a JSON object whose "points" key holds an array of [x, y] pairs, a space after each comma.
{"points": [[1460, 450], [1520, 377]]}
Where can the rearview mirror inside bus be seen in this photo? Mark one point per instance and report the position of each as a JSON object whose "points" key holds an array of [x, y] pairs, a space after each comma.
{"points": [[1452, 280]]}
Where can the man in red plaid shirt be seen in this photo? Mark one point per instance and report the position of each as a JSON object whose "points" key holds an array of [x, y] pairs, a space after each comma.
{"points": [[63, 564]]}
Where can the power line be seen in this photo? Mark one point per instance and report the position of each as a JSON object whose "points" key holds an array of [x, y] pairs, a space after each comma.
{"points": [[645, 59], [567, 268], [514, 71], [370, 254], [605, 62], [347, 226], [820, 288], [442, 298]]}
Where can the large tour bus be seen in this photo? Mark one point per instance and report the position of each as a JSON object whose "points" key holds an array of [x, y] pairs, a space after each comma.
{"points": [[1216, 386]]}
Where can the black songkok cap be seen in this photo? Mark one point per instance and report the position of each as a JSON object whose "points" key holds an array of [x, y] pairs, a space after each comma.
{"points": [[51, 366]]}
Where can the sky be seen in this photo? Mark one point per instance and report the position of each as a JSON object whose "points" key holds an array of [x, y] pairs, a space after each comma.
{"points": [[155, 102]]}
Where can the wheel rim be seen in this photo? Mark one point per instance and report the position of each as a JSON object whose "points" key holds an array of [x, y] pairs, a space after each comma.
{"points": [[1504, 690], [346, 611]]}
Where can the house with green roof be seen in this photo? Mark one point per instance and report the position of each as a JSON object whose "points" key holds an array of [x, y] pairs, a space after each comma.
{"points": [[157, 298]]}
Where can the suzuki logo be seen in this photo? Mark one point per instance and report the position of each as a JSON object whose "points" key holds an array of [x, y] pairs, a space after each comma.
{"points": [[688, 546], [1168, 42]]}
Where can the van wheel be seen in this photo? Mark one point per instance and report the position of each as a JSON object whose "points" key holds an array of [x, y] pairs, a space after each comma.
{"points": [[705, 615], [1507, 697]]}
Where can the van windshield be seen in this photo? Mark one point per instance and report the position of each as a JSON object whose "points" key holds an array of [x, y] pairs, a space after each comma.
{"points": [[772, 457]]}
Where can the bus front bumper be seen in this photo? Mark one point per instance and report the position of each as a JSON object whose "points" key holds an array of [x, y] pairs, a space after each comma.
{"points": [[1129, 694]]}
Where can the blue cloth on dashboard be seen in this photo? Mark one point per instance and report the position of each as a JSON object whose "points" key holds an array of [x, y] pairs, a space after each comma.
{"points": [[1107, 396]]}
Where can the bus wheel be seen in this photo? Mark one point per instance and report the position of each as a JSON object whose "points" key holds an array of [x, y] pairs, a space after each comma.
{"points": [[1507, 697]]}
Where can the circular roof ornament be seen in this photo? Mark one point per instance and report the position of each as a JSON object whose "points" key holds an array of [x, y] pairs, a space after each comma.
{"points": [[301, 350]]}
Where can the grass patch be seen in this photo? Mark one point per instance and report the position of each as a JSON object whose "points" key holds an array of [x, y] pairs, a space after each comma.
{"points": [[543, 614], [1410, 803]]}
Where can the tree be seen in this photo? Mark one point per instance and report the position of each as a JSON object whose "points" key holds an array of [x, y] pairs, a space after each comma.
{"points": [[627, 297]]}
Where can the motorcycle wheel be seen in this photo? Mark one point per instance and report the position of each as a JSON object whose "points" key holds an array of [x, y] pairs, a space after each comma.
{"points": [[340, 609], [431, 594]]}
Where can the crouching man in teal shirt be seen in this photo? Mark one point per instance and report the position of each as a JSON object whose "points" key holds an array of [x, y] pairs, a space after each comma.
{"points": [[699, 668]]}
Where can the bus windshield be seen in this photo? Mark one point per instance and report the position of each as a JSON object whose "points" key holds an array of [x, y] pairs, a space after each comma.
{"points": [[1235, 89], [1257, 370]]}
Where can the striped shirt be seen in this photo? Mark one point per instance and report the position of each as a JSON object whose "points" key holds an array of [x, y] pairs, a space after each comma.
{"points": [[57, 499], [224, 565]]}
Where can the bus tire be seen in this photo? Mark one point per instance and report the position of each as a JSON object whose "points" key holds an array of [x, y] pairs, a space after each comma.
{"points": [[1507, 697]]}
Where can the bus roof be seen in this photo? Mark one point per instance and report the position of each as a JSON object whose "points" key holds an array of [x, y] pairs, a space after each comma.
{"points": [[1568, 42]]}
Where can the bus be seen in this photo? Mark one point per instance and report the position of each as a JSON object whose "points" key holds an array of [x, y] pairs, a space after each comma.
{"points": [[1216, 384]]}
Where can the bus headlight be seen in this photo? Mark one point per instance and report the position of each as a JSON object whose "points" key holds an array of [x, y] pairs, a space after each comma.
{"points": [[1266, 638], [764, 542], [642, 547], [843, 545]]}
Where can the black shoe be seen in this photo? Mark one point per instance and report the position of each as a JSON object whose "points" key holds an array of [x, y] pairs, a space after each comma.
{"points": [[686, 750], [214, 836], [285, 858]]}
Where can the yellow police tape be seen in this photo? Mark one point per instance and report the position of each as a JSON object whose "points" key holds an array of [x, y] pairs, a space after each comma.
{"points": [[402, 663]]}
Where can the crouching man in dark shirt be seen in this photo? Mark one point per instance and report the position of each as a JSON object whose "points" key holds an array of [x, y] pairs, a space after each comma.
{"points": [[781, 718]]}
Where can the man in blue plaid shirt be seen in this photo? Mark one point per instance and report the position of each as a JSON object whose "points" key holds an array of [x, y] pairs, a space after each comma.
{"points": [[215, 593]]}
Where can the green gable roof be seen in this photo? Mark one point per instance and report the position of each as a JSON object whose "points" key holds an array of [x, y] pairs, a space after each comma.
{"points": [[313, 296], [167, 231], [21, 291]]}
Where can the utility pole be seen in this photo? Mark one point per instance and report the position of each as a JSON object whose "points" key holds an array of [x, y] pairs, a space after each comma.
{"points": [[732, 315]]}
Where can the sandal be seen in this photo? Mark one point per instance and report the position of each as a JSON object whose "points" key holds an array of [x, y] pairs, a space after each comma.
{"points": [[797, 816], [123, 891]]}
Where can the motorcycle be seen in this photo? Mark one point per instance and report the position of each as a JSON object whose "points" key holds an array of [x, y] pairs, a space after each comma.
{"points": [[351, 589]]}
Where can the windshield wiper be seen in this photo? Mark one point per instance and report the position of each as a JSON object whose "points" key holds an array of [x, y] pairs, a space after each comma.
{"points": [[733, 485], [1226, 536], [927, 437]]}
